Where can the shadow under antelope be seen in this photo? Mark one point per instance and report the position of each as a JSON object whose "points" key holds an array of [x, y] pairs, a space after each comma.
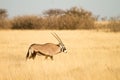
{"points": [[47, 49]]}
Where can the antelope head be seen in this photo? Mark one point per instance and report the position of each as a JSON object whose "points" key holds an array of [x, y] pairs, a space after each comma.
{"points": [[61, 45]]}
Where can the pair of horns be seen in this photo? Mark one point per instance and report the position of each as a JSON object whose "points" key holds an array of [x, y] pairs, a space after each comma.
{"points": [[57, 37]]}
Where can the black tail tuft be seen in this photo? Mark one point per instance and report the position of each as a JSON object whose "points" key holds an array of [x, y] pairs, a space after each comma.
{"points": [[27, 55]]}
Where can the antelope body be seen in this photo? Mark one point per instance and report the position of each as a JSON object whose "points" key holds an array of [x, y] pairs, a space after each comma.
{"points": [[47, 49]]}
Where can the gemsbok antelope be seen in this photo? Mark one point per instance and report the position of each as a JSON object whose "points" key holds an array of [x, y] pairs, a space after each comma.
{"points": [[47, 49]]}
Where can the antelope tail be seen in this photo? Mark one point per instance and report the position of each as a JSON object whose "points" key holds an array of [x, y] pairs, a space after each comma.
{"points": [[28, 52], [27, 55]]}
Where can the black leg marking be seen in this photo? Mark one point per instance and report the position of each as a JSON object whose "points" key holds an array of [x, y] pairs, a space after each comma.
{"points": [[46, 57], [33, 55], [51, 57]]}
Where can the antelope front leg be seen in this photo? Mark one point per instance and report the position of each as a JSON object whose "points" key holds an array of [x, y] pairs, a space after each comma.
{"points": [[46, 57], [51, 57]]}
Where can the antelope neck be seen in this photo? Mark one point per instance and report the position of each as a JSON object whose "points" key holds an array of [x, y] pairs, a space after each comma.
{"points": [[61, 48]]}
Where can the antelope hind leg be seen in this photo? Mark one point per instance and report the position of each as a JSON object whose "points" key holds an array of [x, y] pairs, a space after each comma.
{"points": [[51, 57]]}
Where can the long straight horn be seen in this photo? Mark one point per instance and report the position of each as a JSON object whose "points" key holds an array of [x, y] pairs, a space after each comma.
{"points": [[57, 37]]}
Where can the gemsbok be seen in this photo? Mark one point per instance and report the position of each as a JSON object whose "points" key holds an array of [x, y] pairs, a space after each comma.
{"points": [[47, 49]]}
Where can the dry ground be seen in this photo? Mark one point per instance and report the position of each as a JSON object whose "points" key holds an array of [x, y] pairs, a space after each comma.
{"points": [[91, 56]]}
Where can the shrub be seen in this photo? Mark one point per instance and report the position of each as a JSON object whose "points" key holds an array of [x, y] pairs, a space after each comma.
{"points": [[5, 24], [4, 21], [73, 18], [114, 24], [26, 22]]}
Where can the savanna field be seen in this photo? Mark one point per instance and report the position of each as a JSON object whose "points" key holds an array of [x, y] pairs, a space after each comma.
{"points": [[91, 55]]}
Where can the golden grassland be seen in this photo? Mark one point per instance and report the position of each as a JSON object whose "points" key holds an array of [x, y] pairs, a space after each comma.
{"points": [[91, 56]]}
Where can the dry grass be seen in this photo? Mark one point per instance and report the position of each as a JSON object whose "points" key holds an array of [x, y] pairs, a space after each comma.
{"points": [[91, 56]]}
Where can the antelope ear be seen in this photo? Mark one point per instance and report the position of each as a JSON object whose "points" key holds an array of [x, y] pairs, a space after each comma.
{"points": [[61, 46]]}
